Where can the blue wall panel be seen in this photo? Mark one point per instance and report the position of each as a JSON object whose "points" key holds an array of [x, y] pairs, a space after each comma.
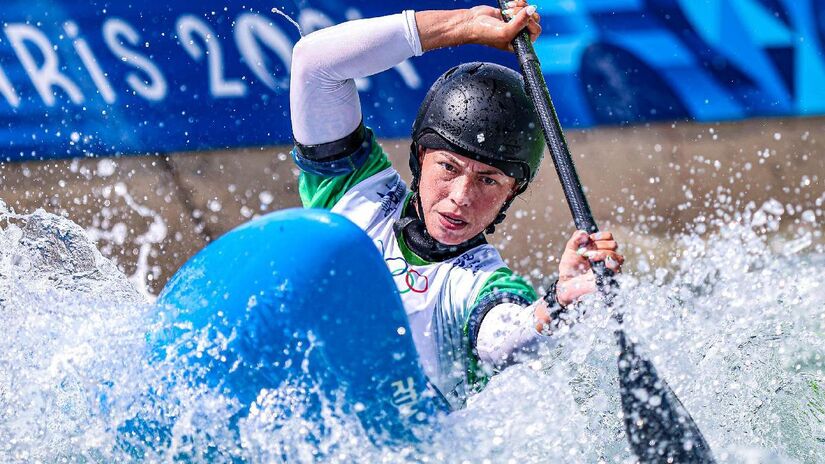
{"points": [[87, 77]]}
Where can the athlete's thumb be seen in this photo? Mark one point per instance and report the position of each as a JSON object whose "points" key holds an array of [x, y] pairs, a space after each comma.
{"points": [[521, 19]]}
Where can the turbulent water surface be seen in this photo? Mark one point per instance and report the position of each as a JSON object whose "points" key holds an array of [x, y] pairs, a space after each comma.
{"points": [[733, 320]]}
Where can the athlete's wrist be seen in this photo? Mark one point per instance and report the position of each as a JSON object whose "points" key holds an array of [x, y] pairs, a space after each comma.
{"points": [[548, 310], [468, 32], [444, 28], [552, 297]]}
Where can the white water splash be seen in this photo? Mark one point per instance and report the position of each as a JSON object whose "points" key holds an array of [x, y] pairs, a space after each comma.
{"points": [[107, 228], [65, 311], [735, 322]]}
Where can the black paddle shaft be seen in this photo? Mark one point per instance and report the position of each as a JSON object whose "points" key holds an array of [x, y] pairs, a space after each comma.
{"points": [[538, 93], [658, 427], [554, 136]]}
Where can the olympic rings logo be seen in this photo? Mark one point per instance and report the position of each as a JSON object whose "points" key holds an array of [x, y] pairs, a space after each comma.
{"points": [[413, 280]]}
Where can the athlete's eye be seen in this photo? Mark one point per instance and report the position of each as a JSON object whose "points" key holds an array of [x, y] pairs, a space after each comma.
{"points": [[447, 166], [489, 181]]}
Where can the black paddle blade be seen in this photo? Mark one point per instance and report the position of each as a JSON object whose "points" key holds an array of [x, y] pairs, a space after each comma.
{"points": [[658, 427]]}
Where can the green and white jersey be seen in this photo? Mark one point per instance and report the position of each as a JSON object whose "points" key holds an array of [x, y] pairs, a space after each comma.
{"points": [[439, 297]]}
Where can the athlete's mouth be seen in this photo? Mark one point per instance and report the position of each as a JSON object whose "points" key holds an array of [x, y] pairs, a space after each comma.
{"points": [[454, 220]]}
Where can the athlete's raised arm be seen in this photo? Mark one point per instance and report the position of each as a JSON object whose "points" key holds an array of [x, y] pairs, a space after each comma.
{"points": [[323, 97]]}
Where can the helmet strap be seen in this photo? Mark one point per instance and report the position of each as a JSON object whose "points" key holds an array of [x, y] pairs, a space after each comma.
{"points": [[415, 165], [419, 208], [491, 229]]}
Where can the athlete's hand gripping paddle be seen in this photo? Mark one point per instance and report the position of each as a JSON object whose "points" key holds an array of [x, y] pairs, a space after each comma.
{"points": [[658, 426]]}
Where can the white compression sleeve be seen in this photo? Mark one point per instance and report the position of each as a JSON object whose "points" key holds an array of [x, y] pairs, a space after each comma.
{"points": [[507, 333], [323, 99]]}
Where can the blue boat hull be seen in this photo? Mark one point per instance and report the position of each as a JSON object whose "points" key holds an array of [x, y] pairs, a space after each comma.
{"points": [[301, 295]]}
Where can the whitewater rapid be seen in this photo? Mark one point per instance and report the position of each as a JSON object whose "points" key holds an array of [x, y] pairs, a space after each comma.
{"points": [[732, 315]]}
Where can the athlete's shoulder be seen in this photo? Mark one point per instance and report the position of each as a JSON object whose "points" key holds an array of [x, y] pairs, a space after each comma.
{"points": [[374, 201], [322, 184]]}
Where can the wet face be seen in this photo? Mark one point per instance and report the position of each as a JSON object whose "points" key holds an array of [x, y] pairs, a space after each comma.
{"points": [[460, 197]]}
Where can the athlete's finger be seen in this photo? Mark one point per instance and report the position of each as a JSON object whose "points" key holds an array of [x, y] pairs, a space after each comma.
{"points": [[600, 255], [520, 19], [602, 235], [515, 4], [534, 29], [513, 12], [614, 261], [578, 240], [532, 16], [512, 8], [605, 245]]}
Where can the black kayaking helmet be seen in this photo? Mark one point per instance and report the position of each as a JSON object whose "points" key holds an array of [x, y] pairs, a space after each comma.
{"points": [[481, 111]]}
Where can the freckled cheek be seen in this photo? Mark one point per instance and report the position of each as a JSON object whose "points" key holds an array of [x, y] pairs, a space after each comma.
{"points": [[432, 196], [439, 191], [442, 198], [489, 205]]}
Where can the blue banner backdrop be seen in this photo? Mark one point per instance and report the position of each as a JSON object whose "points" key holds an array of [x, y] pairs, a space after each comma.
{"points": [[81, 78]]}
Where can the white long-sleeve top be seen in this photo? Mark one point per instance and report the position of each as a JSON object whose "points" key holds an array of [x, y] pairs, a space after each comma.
{"points": [[322, 95]]}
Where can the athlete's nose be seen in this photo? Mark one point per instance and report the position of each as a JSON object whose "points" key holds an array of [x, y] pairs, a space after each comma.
{"points": [[461, 191]]}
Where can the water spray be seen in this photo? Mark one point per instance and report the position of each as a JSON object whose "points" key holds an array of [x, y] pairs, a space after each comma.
{"points": [[658, 427]]}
